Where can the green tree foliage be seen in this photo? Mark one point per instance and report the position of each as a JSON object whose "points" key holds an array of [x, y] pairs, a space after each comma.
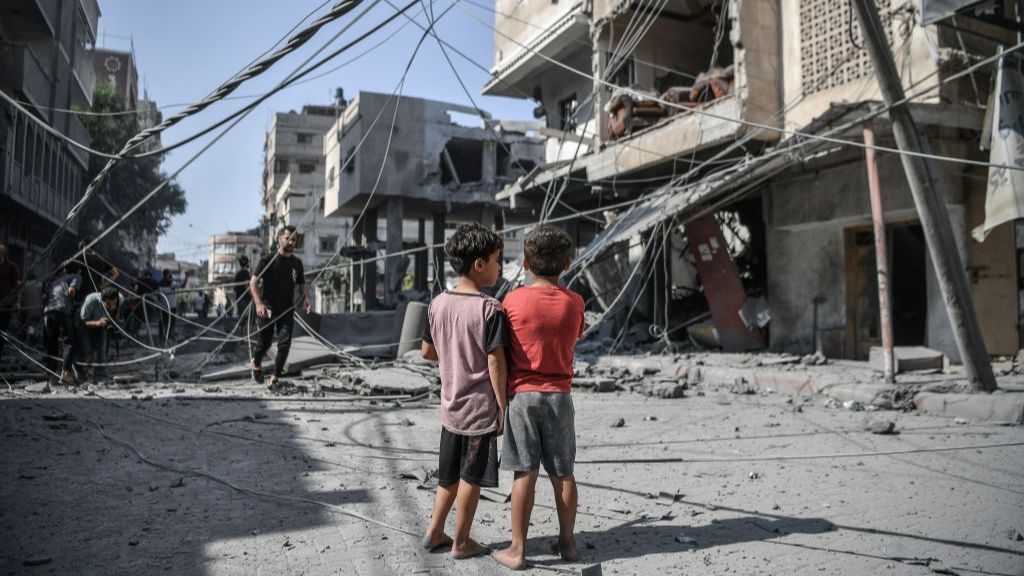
{"points": [[129, 181]]}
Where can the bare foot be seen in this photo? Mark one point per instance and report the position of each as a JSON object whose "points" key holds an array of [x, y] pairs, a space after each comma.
{"points": [[567, 550], [434, 541], [468, 550], [510, 558]]}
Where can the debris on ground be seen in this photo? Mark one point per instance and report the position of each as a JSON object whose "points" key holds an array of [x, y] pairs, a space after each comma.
{"points": [[425, 476], [881, 426], [742, 386], [686, 540], [38, 388], [816, 359], [621, 422], [853, 406]]}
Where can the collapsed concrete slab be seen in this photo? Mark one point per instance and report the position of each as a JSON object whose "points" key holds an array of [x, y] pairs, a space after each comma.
{"points": [[386, 381], [305, 352]]}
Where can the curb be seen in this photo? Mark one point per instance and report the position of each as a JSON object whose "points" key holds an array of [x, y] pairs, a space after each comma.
{"points": [[996, 407]]}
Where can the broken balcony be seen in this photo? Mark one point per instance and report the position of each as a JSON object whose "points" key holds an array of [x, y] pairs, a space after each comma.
{"points": [[693, 81], [528, 36]]}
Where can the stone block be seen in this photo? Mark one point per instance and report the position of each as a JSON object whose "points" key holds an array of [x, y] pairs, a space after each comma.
{"points": [[908, 359]]}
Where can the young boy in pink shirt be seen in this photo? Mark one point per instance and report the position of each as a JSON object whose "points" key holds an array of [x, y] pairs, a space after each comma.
{"points": [[466, 334], [545, 320]]}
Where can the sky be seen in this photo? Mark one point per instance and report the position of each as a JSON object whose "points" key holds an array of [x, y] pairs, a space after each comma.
{"points": [[186, 48]]}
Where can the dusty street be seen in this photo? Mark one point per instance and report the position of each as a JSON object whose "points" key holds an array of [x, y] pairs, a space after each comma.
{"points": [[251, 485]]}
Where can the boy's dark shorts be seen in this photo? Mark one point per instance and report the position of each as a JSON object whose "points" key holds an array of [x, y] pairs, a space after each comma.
{"points": [[471, 458]]}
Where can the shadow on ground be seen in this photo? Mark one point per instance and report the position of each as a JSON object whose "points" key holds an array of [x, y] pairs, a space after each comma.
{"points": [[73, 501]]}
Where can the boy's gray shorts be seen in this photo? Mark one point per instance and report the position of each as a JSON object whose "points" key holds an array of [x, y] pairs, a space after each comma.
{"points": [[539, 429]]}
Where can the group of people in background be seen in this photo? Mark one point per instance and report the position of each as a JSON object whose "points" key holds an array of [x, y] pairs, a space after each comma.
{"points": [[89, 295], [79, 309]]}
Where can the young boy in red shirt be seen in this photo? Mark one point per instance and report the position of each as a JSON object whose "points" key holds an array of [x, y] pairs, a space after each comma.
{"points": [[466, 334], [545, 320]]}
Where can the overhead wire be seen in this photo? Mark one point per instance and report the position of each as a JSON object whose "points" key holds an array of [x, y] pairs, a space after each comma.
{"points": [[908, 97], [337, 11], [237, 120]]}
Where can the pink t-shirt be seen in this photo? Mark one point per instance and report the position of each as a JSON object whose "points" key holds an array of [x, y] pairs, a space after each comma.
{"points": [[463, 328]]}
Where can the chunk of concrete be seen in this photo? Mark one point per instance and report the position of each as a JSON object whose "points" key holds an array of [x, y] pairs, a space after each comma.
{"points": [[667, 390], [881, 426], [995, 407], [305, 352], [909, 359], [38, 388], [596, 384], [392, 381]]}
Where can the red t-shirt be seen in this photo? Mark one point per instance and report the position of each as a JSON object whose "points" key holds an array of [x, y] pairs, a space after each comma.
{"points": [[544, 324]]}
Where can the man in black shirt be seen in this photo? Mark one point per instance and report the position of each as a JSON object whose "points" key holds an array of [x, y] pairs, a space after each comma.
{"points": [[280, 273], [242, 278]]}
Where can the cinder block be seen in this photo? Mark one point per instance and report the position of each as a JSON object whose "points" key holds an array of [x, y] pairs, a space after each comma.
{"points": [[908, 358], [997, 407]]}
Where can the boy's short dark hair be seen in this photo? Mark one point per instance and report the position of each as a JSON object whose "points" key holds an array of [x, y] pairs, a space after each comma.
{"points": [[109, 293], [471, 241], [285, 229], [547, 249]]}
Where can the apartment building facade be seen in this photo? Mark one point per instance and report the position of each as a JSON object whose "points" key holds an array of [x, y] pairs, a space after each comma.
{"points": [[45, 65], [226, 249]]}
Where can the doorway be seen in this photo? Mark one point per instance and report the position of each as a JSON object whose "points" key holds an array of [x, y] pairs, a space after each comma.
{"points": [[908, 288]]}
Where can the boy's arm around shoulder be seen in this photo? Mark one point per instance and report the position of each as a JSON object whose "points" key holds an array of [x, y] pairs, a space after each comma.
{"points": [[428, 351], [498, 370], [497, 366]]}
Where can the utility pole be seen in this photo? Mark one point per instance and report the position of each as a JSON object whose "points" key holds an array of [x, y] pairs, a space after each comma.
{"points": [[881, 254], [930, 203]]}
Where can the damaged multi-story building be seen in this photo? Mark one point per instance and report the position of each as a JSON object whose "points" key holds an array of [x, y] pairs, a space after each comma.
{"points": [[418, 165], [713, 135], [293, 184], [45, 65]]}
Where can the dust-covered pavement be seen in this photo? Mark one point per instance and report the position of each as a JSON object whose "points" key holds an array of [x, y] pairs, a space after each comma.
{"points": [[749, 484]]}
